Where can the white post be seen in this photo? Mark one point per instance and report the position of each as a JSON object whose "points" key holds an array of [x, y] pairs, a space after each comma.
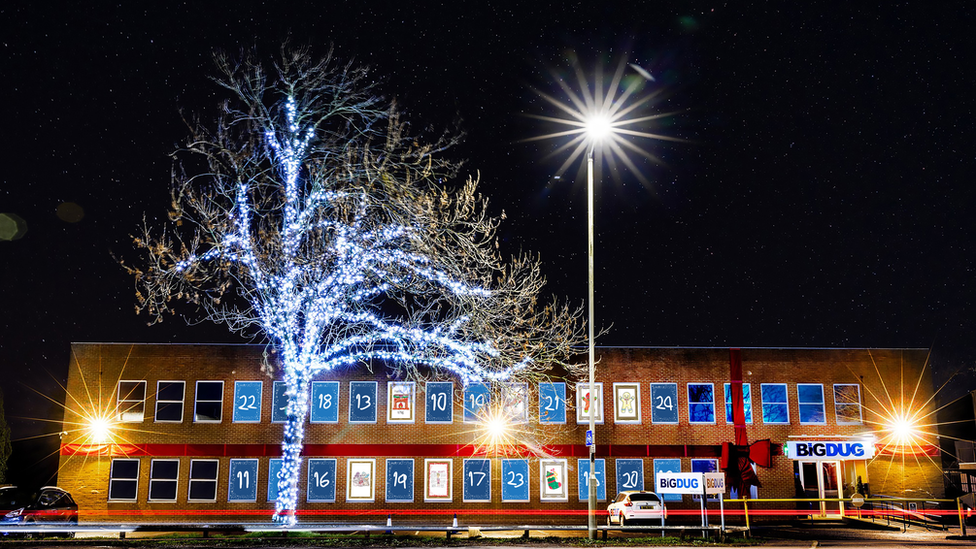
{"points": [[591, 500]]}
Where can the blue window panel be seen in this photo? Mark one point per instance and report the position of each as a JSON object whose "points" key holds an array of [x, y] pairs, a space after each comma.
{"points": [[243, 482], [746, 402], [247, 401], [476, 480], [279, 402], [630, 474], [701, 403], [399, 481], [324, 407], [664, 402], [810, 397], [583, 479], [552, 403], [475, 398], [515, 480], [667, 466], [362, 402], [439, 402], [274, 467], [321, 480], [775, 408], [704, 466]]}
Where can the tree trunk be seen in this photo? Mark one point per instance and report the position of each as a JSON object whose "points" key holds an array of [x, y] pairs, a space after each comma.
{"points": [[298, 382]]}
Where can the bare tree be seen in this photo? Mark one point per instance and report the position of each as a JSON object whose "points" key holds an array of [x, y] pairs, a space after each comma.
{"points": [[315, 218]]}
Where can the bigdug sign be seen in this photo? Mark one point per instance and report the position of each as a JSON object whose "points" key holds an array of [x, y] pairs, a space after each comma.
{"points": [[690, 483], [833, 450]]}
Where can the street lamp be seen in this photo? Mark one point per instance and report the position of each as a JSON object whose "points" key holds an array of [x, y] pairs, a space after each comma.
{"points": [[600, 118]]}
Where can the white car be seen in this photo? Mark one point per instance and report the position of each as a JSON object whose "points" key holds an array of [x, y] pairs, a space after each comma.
{"points": [[634, 506]]}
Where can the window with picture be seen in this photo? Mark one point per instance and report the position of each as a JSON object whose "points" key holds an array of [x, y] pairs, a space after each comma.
{"points": [[169, 401], [847, 404], [810, 398], [164, 475], [208, 407], [701, 403], [131, 401], [746, 402], [123, 480], [203, 480], [775, 407]]}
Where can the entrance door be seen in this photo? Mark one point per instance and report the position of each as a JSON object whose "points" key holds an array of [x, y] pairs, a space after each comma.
{"points": [[821, 480]]}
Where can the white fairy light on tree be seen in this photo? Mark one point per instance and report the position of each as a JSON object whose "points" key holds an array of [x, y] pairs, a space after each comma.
{"points": [[318, 221]]}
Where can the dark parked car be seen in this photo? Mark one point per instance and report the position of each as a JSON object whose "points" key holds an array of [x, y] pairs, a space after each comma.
{"points": [[49, 505]]}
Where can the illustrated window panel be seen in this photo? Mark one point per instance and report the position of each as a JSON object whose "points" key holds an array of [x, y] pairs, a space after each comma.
{"points": [[583, 402], [475, 400], [203, 480], [704, 466], [274, 469], [515, 397], [164, 475], [279, 402], [321, 480], [626, 403], [439, 402], [583, 479], [401, 401], [123, 480], [169, 401], [360, 480], [664, 403], [667, 466], [247, 401], [775, 407], [847, 404], [476, 480], [515, 480], [810, 398], [552, 403], [746, 402], [701, 403], [553, 480], [438, 484], [362, 401], [399, 481], [324, 407], [242, 483], [630, 474], [209, 404], [132, 401]]}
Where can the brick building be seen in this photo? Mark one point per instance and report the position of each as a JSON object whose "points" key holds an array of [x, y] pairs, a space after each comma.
{"points": [[194, 433]]}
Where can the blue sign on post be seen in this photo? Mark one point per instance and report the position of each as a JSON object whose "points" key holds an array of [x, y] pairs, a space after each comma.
{"points": [[324, 407], [552, 403], [439, 402], [243, 482], [321, 480], [515, 480], [630, 474], [362, 402], [583, 470], [589, 437], [247, 401], [475, 398], [476, 480], [399, 481]]}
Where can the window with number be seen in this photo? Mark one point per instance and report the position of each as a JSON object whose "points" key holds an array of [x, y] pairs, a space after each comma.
{"points": [[123, 480], [208, 407], [810, 397], [163, 477], [847, 404], [775, 408], [439, 402], [132, 401], [664, 403], [247, 401], [552, 403], [746, 402], [701, 403], [203, 480], [169, 401]]}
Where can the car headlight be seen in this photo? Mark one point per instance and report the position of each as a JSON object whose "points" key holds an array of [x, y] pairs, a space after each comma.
{"points": [[15, 513]]}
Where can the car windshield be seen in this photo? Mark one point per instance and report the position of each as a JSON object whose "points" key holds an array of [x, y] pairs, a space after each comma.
{"points": [[644, 497], [10, 498]]}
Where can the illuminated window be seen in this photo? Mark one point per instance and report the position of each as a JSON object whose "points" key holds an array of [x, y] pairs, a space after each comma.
{"points": [[810, 397], [203, 480], [169, 401], [847, 404], [701, 403], [209, 402], [775, 408], [123, 480], [163, 477], [746, 402], [132, 401]]}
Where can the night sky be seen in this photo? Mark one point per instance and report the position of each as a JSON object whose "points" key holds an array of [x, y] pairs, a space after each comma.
{"points": [[822, 195]]}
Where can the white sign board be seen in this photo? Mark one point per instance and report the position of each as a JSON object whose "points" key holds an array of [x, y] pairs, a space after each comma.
{"points": [[714, 483], [833, 450], [679, 483]]}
